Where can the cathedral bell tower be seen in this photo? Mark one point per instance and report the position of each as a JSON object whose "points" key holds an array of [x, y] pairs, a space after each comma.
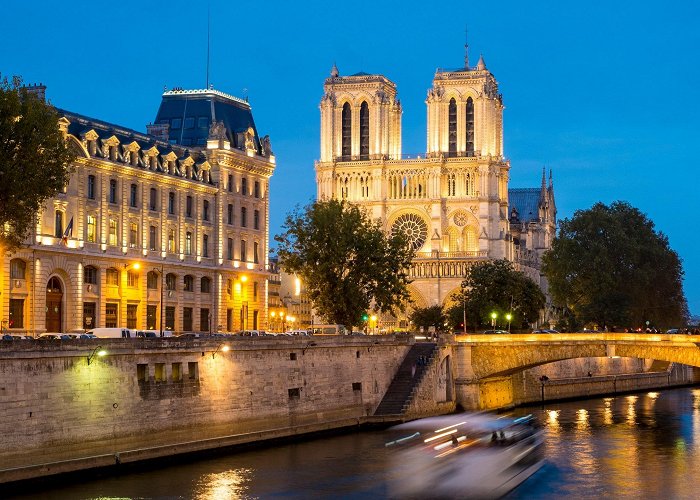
{"points": [[360, 118]]}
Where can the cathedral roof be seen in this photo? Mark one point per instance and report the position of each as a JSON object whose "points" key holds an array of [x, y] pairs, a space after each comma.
{"points": [[190, 114], [526, 202]]}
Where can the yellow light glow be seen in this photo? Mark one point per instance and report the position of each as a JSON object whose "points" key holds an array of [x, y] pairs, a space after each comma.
{"points": [[244, 278], [273, 313], [225, 348], [136, 266], [297, 286]]}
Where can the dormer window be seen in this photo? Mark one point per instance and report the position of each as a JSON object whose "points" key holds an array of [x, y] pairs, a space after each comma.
{"points": [[176, 123]]}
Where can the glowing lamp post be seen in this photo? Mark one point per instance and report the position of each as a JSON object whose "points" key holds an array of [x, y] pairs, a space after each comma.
{"points": [[493, 319], [509, 317]]}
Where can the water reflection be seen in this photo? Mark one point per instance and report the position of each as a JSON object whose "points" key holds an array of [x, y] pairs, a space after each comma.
{"points": [[224, 485]]}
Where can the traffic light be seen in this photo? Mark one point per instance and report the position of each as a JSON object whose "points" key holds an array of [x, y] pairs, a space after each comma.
{"points": [[364, 317]]}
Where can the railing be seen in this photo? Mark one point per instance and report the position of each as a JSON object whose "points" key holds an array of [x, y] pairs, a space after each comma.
{"points": [[408, 156], [477, 254]]}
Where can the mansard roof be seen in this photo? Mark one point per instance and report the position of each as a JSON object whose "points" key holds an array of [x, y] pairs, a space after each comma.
{"points": [[526, 202], [190, 114], [131, 142]]}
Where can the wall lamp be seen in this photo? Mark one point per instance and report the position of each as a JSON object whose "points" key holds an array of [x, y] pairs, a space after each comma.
{"points": [[97, 351], [220, 347], [310, 344]]}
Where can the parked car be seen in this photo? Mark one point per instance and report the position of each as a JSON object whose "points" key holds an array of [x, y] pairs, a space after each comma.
{"points": [[7, 336], [54, 336], [545, 330], [491, 332]]}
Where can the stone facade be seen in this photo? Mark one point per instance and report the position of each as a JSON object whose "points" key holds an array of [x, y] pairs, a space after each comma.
{"points": [[452, 200], [158, 232]]}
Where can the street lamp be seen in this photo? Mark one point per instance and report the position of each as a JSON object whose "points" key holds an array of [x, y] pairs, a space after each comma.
{"points": [[98, 351], [493, 319], [272, 315], [162, 291], [220, 348], [374, 323], [509, 317]]}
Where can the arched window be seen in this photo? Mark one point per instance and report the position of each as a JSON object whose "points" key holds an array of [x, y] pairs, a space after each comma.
{"points": [[346, 149], [90, 275], [152, 280], [170, 281], [206, 285], [469, 182], [189, 283], [471, 239], [18, 269], [452, 128], [112, 276], [451, 184], [470, 127], [364, 131]]}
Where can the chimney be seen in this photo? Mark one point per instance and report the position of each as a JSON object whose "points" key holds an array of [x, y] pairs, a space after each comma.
{"points": [[37, 90], [158, 130]]}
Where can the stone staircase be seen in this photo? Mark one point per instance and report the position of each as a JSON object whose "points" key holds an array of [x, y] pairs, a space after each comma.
{"points": [[402, 388]]}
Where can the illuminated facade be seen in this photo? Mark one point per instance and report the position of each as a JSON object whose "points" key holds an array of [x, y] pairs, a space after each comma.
{"points": [[165, 230], [453, 200]]}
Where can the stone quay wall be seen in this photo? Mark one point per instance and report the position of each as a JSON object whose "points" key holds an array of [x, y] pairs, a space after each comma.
{"points": [[148, 398]]}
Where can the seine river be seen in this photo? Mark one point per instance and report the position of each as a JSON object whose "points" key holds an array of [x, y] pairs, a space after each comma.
{"points": [[642, 445]]}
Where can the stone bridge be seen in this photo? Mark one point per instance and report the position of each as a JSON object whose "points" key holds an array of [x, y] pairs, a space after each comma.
{"points": [[484, 365]]}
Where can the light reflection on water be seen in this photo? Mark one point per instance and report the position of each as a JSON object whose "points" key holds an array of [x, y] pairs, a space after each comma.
{"points": [[645, 445]]}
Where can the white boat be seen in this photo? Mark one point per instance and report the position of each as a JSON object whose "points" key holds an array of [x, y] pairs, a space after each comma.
{"points": [[463, 456]]}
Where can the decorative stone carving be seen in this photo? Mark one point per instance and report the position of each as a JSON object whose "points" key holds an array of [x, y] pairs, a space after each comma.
{"points": [[217, 130], [414, 227], [461, 219], [266, 146]]}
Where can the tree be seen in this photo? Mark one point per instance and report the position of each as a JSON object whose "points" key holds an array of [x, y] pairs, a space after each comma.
{"points": [[346, 261], [495, 286], [608, 265], [34, 160], [425, 317]]}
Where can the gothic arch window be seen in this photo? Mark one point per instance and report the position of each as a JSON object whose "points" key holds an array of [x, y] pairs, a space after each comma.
{"points": [[346, 149], [364, 184], [451, 184], [470, 127], [470, 238], [469, 183], [364, 131], [452, 128], [413, 227], [344, 188], [453, 240]]}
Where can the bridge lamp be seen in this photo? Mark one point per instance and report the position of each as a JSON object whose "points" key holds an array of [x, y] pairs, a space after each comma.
{"points": [[98, 351], [509, 317], [220, 348], [493, 319]]}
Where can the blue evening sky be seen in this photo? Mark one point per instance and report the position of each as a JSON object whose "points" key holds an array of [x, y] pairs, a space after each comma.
{"points": [[603, 93]]}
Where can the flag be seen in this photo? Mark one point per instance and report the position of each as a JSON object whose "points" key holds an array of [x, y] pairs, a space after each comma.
{"points": [[68, 233]]}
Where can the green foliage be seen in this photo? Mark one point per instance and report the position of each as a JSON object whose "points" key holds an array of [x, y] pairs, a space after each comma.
{"points": [[495, 286], [609, 266], [34, 160], [425, 317], [345, 260]]}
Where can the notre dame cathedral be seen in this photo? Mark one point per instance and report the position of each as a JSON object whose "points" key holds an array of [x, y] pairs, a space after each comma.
{"points": [[453, 201]]}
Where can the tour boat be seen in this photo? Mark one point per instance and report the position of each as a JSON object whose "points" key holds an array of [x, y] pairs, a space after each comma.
{"points": [[463, 456]]}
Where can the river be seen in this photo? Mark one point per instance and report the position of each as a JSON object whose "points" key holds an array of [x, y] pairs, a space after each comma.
{"points": [[631, 446]]}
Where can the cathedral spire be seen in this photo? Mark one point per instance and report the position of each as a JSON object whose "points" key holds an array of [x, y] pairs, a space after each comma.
{"points": [[481, 65], [551, 182], [543, 190], [334, 71]]}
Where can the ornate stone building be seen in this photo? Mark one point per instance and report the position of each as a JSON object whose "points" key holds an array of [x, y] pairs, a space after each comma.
{"points": [[453, 201], [165, 230]]}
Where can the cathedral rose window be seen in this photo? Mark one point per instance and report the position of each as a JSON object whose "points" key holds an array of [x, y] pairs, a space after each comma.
{"points": [[414, 227]]}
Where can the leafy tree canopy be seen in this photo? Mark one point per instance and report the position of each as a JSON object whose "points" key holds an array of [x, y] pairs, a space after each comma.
{"points": [[609, 266], [425, 317], [495, 286], [34, 160], [345, 260]]}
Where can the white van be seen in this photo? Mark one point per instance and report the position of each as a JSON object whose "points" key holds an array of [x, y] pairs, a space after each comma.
{"points": [[153, 333], [112, 333]]}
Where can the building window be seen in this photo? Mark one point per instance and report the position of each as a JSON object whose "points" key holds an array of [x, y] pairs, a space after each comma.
{"points": [[229, 214], [170, 318], [244, 186], [255, 290], [205, 210], [131, 315], [171, 240], [112, 276], [188, 207], [470, 127], [189, 122], [364, 131], [91, 187], [153, 199], [244, 217], [90, 275], [243, 250], [346, 148], [204, 320], [189, 283], [187, 319], [255, 252], [205, 245], [111, 315], [152, 280], [58, 224], [188, 243], [112, 191], [113, 230], [229, 249], [152, 238], [256, 219], [133, 196], [16, 319], [133, 234], [89, 310], [202, 122], [205, 285], [151, 317], [451, 184], [132, 279], [171, 203], [452, 127], [18, 269], [230, 182], [256, 189], [170, 282], [91, 229]]}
